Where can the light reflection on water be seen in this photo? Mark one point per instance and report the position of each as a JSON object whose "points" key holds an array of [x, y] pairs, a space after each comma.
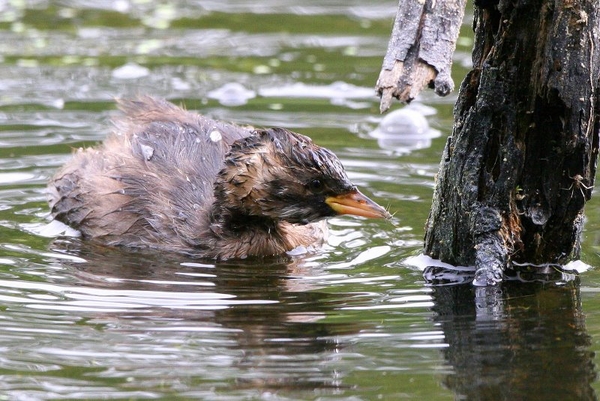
{"points": [[166, 317], [353, 321]]}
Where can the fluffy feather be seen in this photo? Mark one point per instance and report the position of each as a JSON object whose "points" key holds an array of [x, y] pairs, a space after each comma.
{"points": [[178, 181]]}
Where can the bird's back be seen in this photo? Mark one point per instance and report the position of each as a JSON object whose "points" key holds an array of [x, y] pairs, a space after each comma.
{"points": [[150, 182]]}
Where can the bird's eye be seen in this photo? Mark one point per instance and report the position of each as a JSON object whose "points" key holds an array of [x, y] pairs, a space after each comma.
{"points": [[316, 186]]}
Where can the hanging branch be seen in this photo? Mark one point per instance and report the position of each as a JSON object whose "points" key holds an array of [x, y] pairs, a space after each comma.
{"points": [[420, 50]]}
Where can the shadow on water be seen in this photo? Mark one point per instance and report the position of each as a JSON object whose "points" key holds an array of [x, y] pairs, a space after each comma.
{"points": [[273, 325], [517, 341]]}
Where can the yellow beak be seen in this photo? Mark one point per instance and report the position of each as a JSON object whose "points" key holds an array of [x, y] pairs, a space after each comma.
{"points": [[356, 204]]}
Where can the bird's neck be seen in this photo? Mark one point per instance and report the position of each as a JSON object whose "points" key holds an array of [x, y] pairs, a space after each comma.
{"points": [[239, 235], [239, 223]]}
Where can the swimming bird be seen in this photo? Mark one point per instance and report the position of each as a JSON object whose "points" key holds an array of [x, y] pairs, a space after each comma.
{"points": [[177, 181]]}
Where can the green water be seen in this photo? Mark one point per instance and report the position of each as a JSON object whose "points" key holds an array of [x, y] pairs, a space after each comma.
{"points": [[352, 322]]}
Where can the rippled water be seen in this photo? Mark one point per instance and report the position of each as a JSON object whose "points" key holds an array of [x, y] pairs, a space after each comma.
{"points": [[354, 321]]}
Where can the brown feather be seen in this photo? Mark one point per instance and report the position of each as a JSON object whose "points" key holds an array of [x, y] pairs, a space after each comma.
{"points": [[174, 180]]}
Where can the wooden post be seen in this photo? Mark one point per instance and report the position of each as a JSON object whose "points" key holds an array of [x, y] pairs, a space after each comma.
{"points": [[521, 161]]}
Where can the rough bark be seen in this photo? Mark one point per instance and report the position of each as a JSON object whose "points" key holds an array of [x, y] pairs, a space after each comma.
{"points": [[420, 50], [520, 164]]}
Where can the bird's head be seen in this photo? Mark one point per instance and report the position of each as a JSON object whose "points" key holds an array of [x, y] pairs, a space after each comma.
{"points": [[284, 176]]}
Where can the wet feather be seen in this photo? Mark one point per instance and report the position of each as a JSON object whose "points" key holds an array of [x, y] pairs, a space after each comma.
{"points": [[178, 181]]}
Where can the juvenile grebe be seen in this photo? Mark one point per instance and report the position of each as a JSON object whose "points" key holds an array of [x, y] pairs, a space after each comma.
{"points": [[174, 180]]}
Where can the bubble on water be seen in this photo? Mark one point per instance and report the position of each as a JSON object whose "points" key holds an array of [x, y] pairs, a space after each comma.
{"points": [[404, 130], [232, 94], [130, 71]]}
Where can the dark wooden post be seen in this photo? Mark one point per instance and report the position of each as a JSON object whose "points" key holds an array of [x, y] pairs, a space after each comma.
{"points": [[520, 163]]}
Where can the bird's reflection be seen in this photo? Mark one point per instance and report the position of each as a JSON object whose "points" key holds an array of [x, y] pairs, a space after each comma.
{"points": [[275, 321], [519, 341]]}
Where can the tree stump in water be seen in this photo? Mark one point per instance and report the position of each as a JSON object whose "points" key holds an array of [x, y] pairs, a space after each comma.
{"points": [[520, 163]]}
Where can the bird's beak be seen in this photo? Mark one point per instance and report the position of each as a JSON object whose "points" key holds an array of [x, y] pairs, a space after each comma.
{"points": [[356, 204]]}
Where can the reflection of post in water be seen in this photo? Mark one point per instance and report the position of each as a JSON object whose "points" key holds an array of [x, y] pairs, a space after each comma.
{"points": [[516, 342]]}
